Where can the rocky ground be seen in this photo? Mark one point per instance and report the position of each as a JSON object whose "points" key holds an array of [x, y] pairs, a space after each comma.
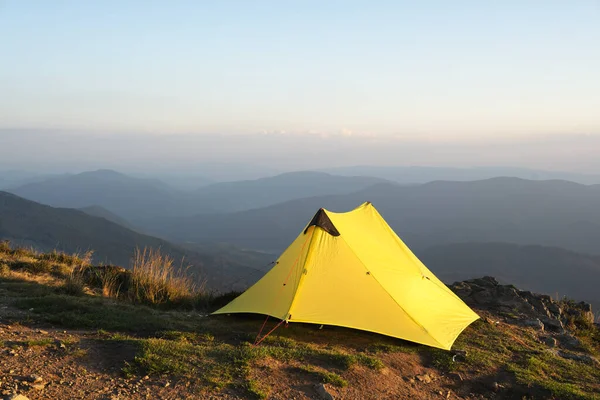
{"points": [[59, 346]]}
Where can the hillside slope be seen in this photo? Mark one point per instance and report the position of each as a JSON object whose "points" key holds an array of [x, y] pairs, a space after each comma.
{"points": [[87, 344], [27, 223], [552, 213], [97, 211]]}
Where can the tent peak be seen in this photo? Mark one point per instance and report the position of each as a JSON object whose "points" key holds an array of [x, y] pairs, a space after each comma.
{"points": [[324, 222]]}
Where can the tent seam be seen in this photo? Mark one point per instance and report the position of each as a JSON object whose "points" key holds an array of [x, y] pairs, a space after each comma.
{"points": [[308, 249]]}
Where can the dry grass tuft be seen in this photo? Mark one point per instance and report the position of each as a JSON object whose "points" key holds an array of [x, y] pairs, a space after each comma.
{"points": [[74, 284], [154, 279], [5, 246], [110, 282], [4, 269], [83, 259]]}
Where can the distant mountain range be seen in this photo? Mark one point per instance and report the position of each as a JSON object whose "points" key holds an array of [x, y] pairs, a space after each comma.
{"points": [[416, 174], [134, 198], [553, 213], [45, 228], [510, 228], [120, 194]]}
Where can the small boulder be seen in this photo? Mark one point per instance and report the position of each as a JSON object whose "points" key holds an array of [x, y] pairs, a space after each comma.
{"points": [[550, 341], [554, 325], [17, 397], [534, 323], [425, 378], [578, 357], [569, 341], [554, 309], [459, 355]]}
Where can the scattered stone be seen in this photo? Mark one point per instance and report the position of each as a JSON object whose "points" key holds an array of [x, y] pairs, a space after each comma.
{"points": [[550, 341], [16, 396], [459, 355], [42, 332], [425, 378], [495, 386], [555, 309], [554, 325], [167, 384], [578, 357], [520, 306], [35, 378], [534, 323], [322, 391], [569, 341], [38, 385]]}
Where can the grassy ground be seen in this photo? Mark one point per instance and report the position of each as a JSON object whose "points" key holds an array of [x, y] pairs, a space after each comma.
{"points": [[205, 356]]}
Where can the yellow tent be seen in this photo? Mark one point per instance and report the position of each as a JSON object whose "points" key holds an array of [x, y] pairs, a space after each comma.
{"points": [[351, 269]]}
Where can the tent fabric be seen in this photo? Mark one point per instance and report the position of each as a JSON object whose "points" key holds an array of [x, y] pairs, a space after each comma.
{"points": [[364, 278]]}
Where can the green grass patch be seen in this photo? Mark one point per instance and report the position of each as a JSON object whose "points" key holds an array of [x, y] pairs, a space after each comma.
{"points": [[369, 362], [566, 379], [325, 376], [99, 313], [256, 390], [388, 348], [40, 342]]}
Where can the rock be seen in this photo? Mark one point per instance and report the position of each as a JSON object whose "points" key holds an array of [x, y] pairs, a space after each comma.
{"points": [[38, 385], [486, 281], [569, 341], [42, 332], [550, 341], [534, 323], [322, 391], [35, 378], [554, 325], [539, 306], [495, 386], [459, 355], [483, 296], [555, 309], [425, 378], [578, 357], [17, 397]]}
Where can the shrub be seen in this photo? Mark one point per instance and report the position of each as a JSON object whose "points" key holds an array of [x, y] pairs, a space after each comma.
{"points": [[23, 252], [5, 246], [40, 267], [69, 259], [111, 281], [154, 280], [4, 269], [74, 283]]}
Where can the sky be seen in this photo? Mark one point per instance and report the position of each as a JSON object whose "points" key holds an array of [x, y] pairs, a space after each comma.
{"points": [[420, 78]]}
